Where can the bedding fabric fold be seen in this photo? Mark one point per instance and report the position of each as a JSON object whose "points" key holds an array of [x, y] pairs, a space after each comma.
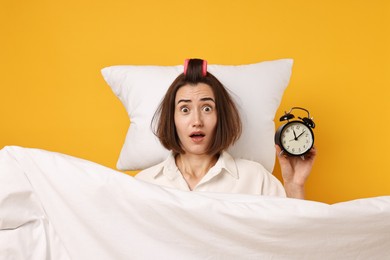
{"points": [[54, 206]]}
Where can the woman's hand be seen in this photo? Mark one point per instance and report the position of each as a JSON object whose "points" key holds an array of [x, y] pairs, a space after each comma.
{"points": [[295, 171]]}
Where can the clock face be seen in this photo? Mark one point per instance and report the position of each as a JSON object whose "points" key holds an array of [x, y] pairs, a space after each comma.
{"points": [[296, 138]]}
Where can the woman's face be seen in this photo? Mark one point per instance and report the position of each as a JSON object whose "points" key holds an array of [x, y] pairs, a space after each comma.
{"points": [[195, 117]]}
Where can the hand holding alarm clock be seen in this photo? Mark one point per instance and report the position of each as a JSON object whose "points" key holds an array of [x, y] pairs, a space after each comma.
{"points": [[296, 137]]}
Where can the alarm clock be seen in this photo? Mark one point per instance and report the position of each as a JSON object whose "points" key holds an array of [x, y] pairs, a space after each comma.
{"points": [[295, 137]]}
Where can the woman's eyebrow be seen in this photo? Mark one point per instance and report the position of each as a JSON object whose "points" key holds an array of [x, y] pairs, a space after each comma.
{"points": [[189, 100], [184, 101], [207, 99]]}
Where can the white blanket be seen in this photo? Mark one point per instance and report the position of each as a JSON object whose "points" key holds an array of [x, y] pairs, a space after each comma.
{"points": [[53, 206]]}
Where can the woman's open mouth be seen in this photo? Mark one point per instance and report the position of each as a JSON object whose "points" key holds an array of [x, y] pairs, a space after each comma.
{"points": [[197, 136]]}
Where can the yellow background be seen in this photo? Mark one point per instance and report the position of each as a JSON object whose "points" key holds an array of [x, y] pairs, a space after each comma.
{"points": [[53, 95]]}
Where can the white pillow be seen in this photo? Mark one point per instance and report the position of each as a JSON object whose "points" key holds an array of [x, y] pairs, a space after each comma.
{"points": [[256, 88]]}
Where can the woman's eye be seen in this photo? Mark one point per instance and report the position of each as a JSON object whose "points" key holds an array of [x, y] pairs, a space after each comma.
{"points": [[207, 108], [184, 109]]}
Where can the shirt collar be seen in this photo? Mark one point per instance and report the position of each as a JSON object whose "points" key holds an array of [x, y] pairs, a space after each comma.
{"points": [[225, 162], [170, 168]]}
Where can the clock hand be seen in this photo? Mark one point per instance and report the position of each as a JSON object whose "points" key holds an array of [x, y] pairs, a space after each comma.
{"points": [[295, 135], [300, 134]]}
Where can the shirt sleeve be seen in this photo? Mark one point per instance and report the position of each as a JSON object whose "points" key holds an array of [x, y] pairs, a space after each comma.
{"points": [[272, 186]]}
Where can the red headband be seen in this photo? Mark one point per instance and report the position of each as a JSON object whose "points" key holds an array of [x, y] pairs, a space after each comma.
{"points": [[204, 67]]}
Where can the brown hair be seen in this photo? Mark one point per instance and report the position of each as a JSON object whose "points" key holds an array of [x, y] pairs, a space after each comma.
{"points": [[228, 128]]}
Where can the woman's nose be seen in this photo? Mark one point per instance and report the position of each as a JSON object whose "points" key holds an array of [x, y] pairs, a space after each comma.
{"points": [[197, 119]]}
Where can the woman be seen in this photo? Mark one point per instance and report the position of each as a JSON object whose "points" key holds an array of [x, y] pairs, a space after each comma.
{"points": [[198, 120]]}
